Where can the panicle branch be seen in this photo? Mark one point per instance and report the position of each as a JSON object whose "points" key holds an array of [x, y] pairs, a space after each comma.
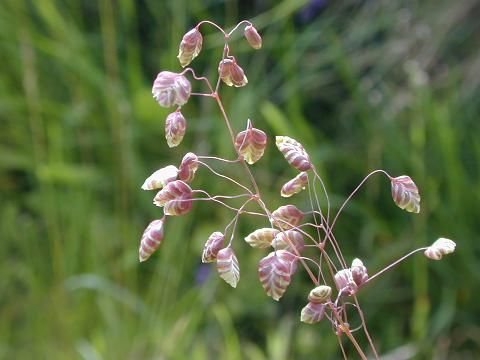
{"points": [[293, 236]]}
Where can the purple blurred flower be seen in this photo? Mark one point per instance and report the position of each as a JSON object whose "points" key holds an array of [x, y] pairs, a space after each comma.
{"points": [[312, 9]]}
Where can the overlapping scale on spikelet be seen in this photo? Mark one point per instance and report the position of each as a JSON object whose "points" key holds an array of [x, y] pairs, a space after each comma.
{"points": [[287, 217], [160, 178], [440, 247], [275, 272], [151, 239], [295, 185], [213, 245], [251, 143], [228, 267], [293, 152], [289, 240], [175, 128], [405, 193], [320, 294], [175, 198], [170, 89], [188, 167], [261, 238], [190, 47], [312, 313]]}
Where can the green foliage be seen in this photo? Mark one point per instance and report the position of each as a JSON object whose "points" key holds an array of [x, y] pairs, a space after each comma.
{"points": [[363, 85]]}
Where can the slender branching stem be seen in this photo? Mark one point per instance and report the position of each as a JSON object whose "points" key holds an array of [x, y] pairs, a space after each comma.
{"points": [[385, 269]]}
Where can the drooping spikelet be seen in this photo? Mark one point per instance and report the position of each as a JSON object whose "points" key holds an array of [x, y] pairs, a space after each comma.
{"points": [[151, 239]]}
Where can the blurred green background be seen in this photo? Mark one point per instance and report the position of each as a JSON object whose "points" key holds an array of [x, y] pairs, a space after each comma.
{"points": [[362, 84]]}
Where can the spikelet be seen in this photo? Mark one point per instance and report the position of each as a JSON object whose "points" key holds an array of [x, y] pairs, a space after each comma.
{"points": [[359, 272], [231, 73], [312, 313], [345, 283], [295, 185], [320, 295], [253, 37], [251, 143], [160, 178], [170, 89], [440, 247], [175, 198], [190, 47], [151, 239], [175, 128], [405, 193], [212, 247], [293, 152], [287, 217], [275, 272], [288, 240], [261, 238], [188, 167], [228, 267]]}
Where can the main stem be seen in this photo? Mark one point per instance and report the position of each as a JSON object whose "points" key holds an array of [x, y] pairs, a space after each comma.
{"points": [[258, 197]]}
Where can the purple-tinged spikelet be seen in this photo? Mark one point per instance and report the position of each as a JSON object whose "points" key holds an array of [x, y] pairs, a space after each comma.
{"points": [[359, 272], [275, 272], [160, 178], [212, 247], [228, 267], [405, 193], [295, 185], [175, 198], [188, 167], [288, 240], [190, 47], [253, 37], [293, 152], [320, 295], [345, 283], [231, 73], [170, 89], [175, 127], [312, 313], [440, 247], [261, 238], [287, 217], [251, 143], [151, 239]]}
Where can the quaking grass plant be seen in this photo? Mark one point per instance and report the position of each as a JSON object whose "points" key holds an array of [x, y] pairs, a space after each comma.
{"points": [[302, 238]]}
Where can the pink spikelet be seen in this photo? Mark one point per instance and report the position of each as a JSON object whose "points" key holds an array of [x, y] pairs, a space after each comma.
{"points": [[228, 267], [212, 247], [261, 238], [275, 272], [287, 217], [293, 152], [440, 247], [345, 283], [312, 313], [359, 272], [175, 198], [188, 167], [175, 128], [289, 240], [253, 37], [170, 89], [405, 193], [160, 178], [231, 73], [251, 143], [295, 185], [151, 239], [190, 47]]}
